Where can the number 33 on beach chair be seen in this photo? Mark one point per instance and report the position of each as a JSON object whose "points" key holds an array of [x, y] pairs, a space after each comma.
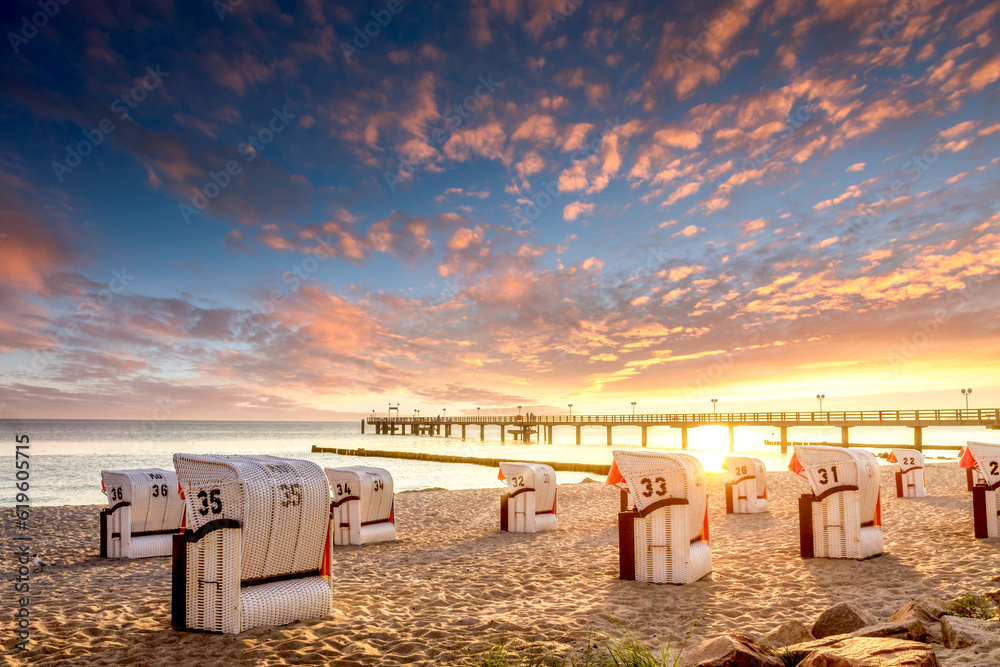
{"points": [[253, 550], [841, 518], [144, 511], [663, 525], [362, 507], [746, 490], [910, 476], [529, 506], [984, 460]]}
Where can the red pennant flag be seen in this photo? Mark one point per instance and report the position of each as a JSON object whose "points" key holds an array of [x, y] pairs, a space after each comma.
{"points": [[967, 460], [892, 457], [614, 475], [794, 465], [500, 475]]}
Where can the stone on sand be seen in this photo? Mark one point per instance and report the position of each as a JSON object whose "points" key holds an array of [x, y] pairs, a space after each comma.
{"points": [[789, 632], [840, 619], [960, 632], [872, 652], [731, 651]]}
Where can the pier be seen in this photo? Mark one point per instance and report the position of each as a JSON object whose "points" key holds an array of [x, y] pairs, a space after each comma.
{"points": [[521, 427]]}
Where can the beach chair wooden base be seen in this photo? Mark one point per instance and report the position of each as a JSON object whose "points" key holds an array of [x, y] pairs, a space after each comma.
{"points": [[654, 549], [742, 498], [984, 512], [831, 528], [514, 516]]}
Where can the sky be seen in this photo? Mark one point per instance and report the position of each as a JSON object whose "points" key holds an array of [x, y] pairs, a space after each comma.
{"points": [[246, 209]]}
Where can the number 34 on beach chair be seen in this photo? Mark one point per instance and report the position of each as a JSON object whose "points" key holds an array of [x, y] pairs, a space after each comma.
{"points": [[253, 550], [529, 505], [842, 517], [663, 526], [362, 507], [144, 511], [983, 460]]}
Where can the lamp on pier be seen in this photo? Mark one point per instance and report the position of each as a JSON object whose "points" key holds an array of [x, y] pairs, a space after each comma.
{"points": [[714, 401], [477, 413], [820, 397], [966, 393], [570, 409], [633, 408]]}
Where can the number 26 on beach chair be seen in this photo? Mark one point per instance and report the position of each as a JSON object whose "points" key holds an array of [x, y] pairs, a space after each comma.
{"points": [[746, 490], [663, 526], [910, 476], [144, 511], [984, 459], [842, 516], [252, 553], [361, 511], [529, 505]]}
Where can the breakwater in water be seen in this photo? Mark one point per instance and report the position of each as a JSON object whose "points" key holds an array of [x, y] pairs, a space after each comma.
{"points": [[595, 468]]}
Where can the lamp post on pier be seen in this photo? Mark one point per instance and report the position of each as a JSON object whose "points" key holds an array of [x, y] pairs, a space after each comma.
{"points": [[570, 409], [714, 401], [633, 408], [966, 393], [477, 413], [820, 397]]}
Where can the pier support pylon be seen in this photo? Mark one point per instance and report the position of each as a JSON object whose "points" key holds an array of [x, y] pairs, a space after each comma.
{"points": [[784, 439], [503, 433], [845, 439], [463, 431], [362, 427], [732, 438], [644, 435], [482, 433], [918, 438], [684, 437], [578, 435], [609, 436]]}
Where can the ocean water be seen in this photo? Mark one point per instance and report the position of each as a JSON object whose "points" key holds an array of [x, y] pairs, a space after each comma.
{"points": [[67, 456]]}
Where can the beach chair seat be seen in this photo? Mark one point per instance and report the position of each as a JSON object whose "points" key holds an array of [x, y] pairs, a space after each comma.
{"points": [[144, 512], [253, 548], [362, 509], [663, 530], [984, 459], [910, 476], [746, 490], [842, 516], [529, 504]]}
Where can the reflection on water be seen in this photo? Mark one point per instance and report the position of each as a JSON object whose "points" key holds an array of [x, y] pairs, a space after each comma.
{"points": [[68, 455]]}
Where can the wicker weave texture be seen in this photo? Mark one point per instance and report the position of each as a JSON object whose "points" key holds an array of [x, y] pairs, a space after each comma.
{"points": [[986, 472], [147, 501], [362, 507], [663, 554], [749, 479], [252, 520], [655, 477], [911, 466], [531, 507]]}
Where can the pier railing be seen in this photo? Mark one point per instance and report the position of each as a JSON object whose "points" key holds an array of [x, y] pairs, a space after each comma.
{"points": [[977, 416]]}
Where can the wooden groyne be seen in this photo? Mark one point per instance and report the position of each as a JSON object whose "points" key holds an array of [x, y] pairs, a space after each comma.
{"points": [[593, 468], [778, 443]]}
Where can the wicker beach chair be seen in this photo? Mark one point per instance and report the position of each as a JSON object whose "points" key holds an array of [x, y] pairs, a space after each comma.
{"points": [[910, 476], [841, 518], [973, 477], [529, 505], [253, 550], [144, 511], [362, 507], [746, 490], [663, 526], [984, 459]]}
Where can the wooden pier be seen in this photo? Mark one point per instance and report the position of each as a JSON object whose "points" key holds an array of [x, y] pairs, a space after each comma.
{"points": [[524, 428]]}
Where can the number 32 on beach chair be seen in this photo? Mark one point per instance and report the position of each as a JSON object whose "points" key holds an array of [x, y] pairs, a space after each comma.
{"points": [[529, 505], [842, 516]]}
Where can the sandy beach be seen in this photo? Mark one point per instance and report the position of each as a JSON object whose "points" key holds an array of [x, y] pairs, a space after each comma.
{"points": [[452, 581]]}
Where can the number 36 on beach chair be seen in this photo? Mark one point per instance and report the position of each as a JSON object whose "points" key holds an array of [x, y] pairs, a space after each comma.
{"points": [[144, 511], [842, 516], [663, 526], [983, 460], [529, 505]]}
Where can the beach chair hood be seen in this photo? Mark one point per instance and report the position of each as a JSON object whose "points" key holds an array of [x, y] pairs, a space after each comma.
{"points": [[537, 477], [908, 459], [984, 458], [658, 479], [833, 469]]}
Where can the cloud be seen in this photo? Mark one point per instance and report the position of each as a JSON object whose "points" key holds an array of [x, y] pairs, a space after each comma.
{"points": [[575, 209]]}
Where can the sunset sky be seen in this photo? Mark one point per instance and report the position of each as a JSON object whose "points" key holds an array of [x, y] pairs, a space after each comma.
{"points": [[496, 203]]}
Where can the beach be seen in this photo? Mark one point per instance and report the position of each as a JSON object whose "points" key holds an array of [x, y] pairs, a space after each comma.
{"points": [[452, 581]]}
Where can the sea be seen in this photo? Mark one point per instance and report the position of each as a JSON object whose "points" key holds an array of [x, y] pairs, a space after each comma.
{"points": [[66, 456]]}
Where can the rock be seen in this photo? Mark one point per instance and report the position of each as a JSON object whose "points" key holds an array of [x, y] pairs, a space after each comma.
{"points": [[872, 652], [914, 611], [933, 607], [789, 632], [842, 618], [731, 651], [803, 649], [959, 632], [911, 630]]}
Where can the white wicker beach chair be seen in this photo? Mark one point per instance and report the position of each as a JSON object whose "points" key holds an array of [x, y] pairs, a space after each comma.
{"points": [[362, 507], [841, 518], [253, 550], [973, 476], [984, 459], [746, 490], [662, 538], [144, 511], [910, 476], [529, 505]]}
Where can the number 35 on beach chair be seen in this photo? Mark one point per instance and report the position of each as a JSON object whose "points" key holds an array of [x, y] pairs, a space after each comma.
{"points": [[663, 526], [144, 511], [529, 505], [984, 460], [746, 490], [910, 476], [253, 550], [841, 518], [362, 508]]}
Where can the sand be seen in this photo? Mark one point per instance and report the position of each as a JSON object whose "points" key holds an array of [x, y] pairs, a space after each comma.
{"points": [[452, 581]]}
